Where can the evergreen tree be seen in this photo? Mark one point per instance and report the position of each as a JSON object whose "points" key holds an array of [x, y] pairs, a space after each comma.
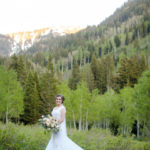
{"points": [[21, 70], [134, 33], [117, 41], [18, 64], [31, 100], [87, 76], [75, 77], [130, 70], [127, 39], [123, 73], [14, 62], [110, 46], [59, 76], [108, 64], [142, 64], [50, 66], [48, 89], [37, 82], [94, 67], [97, 68]]}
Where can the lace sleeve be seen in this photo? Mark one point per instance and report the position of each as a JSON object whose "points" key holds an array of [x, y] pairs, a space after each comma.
{"points": [[64, 109]]}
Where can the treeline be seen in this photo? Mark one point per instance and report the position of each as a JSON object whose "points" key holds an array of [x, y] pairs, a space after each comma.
{"points": [[97, 95], [103, 74]]}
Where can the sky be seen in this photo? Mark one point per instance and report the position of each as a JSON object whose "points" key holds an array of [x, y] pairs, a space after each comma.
{"points": [[28, 15]]}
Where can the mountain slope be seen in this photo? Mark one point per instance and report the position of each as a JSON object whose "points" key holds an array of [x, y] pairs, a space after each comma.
{"points": [[131, 21], [25, 40], [8, 45]]}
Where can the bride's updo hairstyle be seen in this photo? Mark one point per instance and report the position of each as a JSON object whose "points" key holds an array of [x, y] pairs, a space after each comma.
{"points": [[62, 97]]}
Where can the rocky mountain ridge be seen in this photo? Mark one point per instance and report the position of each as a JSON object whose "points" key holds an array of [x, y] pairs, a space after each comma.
{"points": [[21, 41]]}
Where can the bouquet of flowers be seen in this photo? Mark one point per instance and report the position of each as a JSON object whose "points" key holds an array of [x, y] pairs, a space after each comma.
{"points": [[49, 123]]}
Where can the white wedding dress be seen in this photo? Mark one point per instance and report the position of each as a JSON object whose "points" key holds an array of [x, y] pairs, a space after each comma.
{"points": [[60, 141]]}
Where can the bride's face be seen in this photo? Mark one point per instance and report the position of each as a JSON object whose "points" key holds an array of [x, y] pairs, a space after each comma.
{"points": [[58, 101]]}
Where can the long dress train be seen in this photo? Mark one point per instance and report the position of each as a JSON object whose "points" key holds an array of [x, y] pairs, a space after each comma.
{"points": [[60, 140]]}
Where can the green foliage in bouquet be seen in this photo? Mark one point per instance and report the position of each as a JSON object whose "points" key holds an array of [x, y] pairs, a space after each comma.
{"points": [[49, 123]]}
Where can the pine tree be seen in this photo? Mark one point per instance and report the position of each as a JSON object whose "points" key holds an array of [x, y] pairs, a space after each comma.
{"points": [[117, 41], [130, 70], [37, 81], [102, 76], [127, 39], [110, 46], [142, 65], [94, 67], [21, 71], [87, 76], [31, 100], [48, 88], [123, 74], [18, 64], [98, 71], [108, 70], [14, 62], [75, 77], [50, 66]]}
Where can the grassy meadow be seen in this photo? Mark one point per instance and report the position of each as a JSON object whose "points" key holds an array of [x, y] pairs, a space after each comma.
{"points": [[34, 137]]}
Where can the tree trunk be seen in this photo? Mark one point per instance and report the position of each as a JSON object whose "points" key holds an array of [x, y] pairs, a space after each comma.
{"points": [[143, 129], [84, 60], [71, 61], [7, 115], [74, 122], [138, 34], [80, 124], [70, 124], [86, 127], [138, 128], [62, 69], [83, 128], [80, 121]]}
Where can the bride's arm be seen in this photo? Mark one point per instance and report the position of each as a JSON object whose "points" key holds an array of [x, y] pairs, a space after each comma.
{"points": [[63, 113]]}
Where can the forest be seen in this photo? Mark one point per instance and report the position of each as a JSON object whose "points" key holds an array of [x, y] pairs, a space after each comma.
{"points": [[103, 72]]}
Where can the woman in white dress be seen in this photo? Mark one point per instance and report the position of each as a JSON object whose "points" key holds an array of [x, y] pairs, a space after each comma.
{"points": [[60, 141]]}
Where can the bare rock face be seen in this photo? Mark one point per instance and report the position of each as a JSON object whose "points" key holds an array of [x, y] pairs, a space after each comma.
{"points": [[22, 41], [8, 45]]}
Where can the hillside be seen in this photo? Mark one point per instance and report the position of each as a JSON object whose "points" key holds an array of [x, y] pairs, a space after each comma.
{"points": [[8, 46], [22, 41], [131, 21]]}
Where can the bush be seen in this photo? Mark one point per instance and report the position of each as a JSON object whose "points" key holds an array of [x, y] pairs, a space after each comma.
{"points": [[20, 137]]}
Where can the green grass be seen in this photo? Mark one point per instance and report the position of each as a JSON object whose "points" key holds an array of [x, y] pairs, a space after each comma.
{"points": [[20, 137]]}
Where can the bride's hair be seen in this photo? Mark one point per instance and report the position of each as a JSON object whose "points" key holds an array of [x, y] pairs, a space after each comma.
{"points": [[62, 97]]}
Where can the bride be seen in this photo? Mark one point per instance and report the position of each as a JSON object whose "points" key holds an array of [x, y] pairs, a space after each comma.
{"points": [[60, 141]]}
